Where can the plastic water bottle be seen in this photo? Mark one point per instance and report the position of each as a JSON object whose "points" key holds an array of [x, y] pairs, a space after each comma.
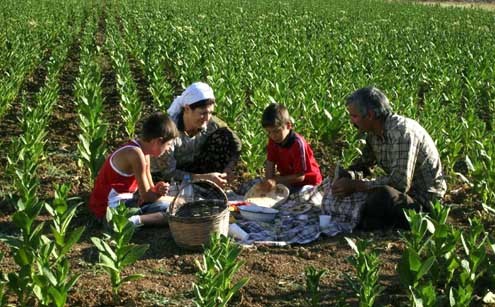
{"points": [[187, 191]]}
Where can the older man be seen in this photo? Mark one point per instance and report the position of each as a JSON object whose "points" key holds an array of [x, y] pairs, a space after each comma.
{"points": [[406, 153]]}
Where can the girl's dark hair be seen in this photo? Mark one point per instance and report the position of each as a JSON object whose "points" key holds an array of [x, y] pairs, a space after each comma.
{"points": [[198, 104], [275, 115], [159, 125]]}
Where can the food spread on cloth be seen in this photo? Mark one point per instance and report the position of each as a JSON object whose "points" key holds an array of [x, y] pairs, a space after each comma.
{"points": [[295, 208]]}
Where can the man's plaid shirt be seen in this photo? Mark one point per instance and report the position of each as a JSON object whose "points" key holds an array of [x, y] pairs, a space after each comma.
{"points": [[409, 158]]}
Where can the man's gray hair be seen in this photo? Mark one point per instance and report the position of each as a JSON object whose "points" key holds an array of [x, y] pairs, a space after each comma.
{"points": [[370, 99]]}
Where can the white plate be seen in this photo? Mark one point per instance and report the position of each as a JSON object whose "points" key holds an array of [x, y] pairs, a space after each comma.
{"points": [[258, 213]]}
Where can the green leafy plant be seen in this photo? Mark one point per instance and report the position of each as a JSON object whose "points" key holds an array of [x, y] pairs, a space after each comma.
{"points": [[474, 242], [366, 263], [115, 250], [313, 277], [24, 249], [54, 280], [215, 277], [3, 278]]}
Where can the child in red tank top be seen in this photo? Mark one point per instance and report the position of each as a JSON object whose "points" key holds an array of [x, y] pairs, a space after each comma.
{"points": [[127, 170]]}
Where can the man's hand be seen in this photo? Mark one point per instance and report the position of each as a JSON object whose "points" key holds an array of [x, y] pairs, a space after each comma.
{"points": [[343, 187]]}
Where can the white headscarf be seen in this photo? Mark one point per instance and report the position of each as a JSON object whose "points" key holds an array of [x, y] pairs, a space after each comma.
{"points": [[193, 93]]}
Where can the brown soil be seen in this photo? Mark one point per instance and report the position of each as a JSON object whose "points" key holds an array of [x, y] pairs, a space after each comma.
{"points": [[276, 273]]}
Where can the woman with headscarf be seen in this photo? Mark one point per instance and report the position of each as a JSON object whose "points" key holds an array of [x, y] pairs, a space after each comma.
{"points": [[206, 148]]}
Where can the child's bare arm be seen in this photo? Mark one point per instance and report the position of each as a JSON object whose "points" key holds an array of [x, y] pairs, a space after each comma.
{"points": [[148, 171], [140, 169]]}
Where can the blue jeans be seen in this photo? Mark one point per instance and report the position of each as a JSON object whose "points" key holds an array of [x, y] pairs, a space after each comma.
{"points": [[158, 206]]}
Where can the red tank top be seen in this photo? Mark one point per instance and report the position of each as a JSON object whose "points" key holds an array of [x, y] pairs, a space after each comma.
{"points": [[111, 184]]}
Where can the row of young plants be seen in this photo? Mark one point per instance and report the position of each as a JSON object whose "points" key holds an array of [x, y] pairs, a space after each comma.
{"points": [[436, 65], [440, 265], [43, 274], [29, 34], [42, 268], [92, 147], [131, 106]]}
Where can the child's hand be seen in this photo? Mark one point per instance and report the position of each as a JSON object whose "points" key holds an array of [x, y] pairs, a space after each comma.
{"points": [[161, 188], [267, 185]]}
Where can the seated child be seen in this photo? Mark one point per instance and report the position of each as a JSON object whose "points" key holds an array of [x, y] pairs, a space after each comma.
{"points": [[127, 170], [287, 152]]}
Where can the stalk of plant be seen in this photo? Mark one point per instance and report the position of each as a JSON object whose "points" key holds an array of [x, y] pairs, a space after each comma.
{"points": [[442, 245], [474, 243], [115, 250], [90, 106], [24, 249], [3, 279], [130, 104], [214, 285], [313, 277], [53, 279], [367, 265], [412, 269]]}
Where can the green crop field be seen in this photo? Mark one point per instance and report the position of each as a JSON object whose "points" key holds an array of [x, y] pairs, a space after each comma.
{"points": [[77, 76]]}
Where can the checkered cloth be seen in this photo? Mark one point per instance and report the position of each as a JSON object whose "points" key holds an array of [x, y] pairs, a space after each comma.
{"points": [[345, 211], [288, 228]]}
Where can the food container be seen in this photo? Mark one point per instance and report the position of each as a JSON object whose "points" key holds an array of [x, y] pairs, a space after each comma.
{"points": [[259, 196], [258, 213]]}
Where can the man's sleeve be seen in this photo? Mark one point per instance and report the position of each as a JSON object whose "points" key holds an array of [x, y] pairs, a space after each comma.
{"points": [[403, 155], [361, 166]]}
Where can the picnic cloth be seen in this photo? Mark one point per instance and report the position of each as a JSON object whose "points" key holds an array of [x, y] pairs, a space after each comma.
{"points": [[298, 219]]}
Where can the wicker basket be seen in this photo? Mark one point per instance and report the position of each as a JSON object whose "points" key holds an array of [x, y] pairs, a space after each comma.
{"points": [[192, 232]]}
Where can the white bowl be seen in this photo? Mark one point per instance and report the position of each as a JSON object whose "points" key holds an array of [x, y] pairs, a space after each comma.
{"points": [[275, 196], [258, 213]]}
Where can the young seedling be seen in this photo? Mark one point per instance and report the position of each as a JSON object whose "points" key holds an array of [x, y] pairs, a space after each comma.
{"points": [[115, 250], [366, 263], [313, 277], [3, 279], [214, 280], [54, 280]]}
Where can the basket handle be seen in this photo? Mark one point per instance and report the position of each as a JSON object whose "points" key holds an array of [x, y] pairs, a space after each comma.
{"points": [[172, 205]]}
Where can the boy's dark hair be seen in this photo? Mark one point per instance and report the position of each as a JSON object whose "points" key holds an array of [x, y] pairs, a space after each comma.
{"points": [[275, 115], [159, 125]]}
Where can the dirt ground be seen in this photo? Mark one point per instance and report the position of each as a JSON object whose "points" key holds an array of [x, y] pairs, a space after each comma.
{"points": [[276, 273]]}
